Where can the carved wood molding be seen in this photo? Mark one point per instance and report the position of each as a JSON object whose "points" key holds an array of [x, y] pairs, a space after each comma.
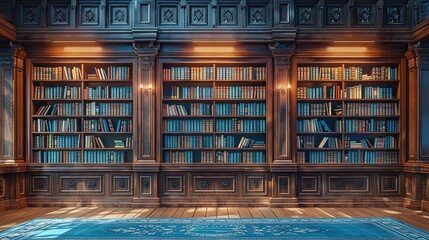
{"points": [[147, 62], [146, 52], [281, 52], [7, 30]]}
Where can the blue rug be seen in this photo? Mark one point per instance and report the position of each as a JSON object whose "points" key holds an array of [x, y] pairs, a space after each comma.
{"points": [[212, 228]]}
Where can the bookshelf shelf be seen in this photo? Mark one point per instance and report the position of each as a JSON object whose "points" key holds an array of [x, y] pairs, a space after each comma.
{"points": [[82, 113], [226, 101], [348, 113]]}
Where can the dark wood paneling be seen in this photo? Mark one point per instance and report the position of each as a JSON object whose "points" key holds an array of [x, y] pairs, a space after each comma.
{"points": [[365, 14], [256, 184], [81, 184], [174, 184], [389, 185], [283, 13], [40, 185], [346, 185], [423, 75], [60, 14], [144, 14], [146, 185], [307, 14], [395, 13], [29, 14], [2, 187], [119, 14], [91, 14], [214, 184], [309, 185], [122, 184], [336, 14]]}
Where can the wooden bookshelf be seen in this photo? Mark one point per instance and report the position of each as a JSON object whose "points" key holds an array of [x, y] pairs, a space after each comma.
{"points": [[81, 113], [348, 113], [214, 113]]}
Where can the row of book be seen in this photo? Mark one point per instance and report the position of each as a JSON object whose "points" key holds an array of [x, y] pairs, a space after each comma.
{"points": [[188, 73], [56, 141], [384, 72], [92, 141], [56, 125], [371, 125], [173, 141], [62, 157], [91, 109], [241, 109], [240, 125], [351, 125], [377, 142], [355, 156], [57, 73], [228, 141], [368, 92], [57, 156], [108, 92], [371, 109], [196, 109], [196, 92], [106, 109], [319, 109], [57, 92], [240, 92], [112, 73], [310, 142], [127, 143], [313, 125], [240, 157], [108, 125], [60, 109], [221, 109], [318, 156], [322, 92], [320, 73], [188, 125], [100, 156], [347, 73], [240, 73], [371, 157], [178, 156], [220, 157]]}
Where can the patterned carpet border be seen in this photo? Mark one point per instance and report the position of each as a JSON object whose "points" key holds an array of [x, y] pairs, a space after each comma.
{"points": [[214, 228]]}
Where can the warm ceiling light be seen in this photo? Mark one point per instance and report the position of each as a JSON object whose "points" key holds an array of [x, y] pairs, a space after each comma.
{"points": [[346, 49], [69, 41], [341, 41], [214, 49], [214, 41], [83, 49]]}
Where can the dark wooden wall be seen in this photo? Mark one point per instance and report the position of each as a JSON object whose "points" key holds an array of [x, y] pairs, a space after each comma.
{"points": [[286, 28]]}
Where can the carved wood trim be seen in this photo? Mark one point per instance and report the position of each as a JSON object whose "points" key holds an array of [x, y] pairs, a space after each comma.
{"points": [[8, 30]]}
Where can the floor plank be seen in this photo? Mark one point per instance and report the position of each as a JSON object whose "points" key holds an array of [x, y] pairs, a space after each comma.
{"points": [[256, 213], [11, 218], [222, 212], [233, 212], [188, 213], [244, 212], [157, 213], [211, 212], [267, 212], [200, 212], [169, 213], [145, 213]]}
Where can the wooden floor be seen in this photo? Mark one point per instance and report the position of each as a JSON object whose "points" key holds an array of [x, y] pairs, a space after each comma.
{"points": [[12, 217]]}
